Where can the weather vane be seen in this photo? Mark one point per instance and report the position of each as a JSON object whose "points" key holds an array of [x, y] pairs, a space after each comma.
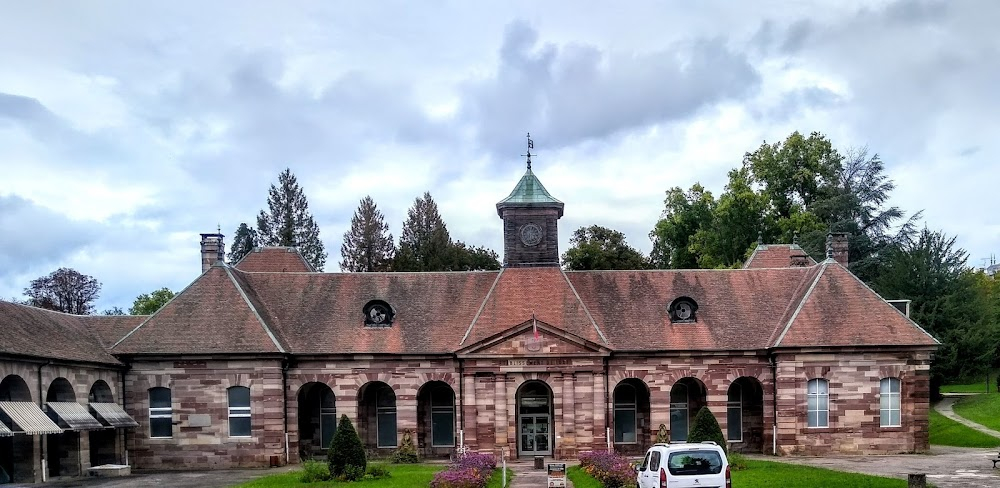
{"points": [[531, 145]]}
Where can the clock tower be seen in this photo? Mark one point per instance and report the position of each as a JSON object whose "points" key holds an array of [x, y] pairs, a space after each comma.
{"points": [[530, 231]]}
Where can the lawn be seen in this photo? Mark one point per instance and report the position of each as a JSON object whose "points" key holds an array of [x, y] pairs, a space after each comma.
{"points": [[946, 432], [981, 409], [974, 387], [403, 476], [768, 474]]}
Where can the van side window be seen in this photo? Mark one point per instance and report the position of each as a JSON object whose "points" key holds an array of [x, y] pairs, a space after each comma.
{"points": [[654, 461], [645, 462]]}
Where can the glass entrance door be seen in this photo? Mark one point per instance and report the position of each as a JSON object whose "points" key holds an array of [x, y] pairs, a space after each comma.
{"points": [[534, 435]]}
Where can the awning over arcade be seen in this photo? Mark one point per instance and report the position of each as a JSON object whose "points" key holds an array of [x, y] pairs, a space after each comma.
{"points": [[28, 418], [74, 416], [4, 431], [113, 415]]}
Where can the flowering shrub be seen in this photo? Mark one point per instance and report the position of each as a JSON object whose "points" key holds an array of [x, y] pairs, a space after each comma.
{"points": [[472, 470], [610, 468]]}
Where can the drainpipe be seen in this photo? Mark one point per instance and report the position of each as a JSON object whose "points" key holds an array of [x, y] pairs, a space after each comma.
{"points": [[42, 437], [284, 398], [121, 393], [461, 394], [607, 411], [774, 407]]}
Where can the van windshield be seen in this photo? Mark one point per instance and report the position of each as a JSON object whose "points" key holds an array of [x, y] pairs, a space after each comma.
{"points": [[694, 462]]}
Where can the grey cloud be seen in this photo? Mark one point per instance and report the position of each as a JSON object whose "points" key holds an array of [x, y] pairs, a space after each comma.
{"points": [[32, 234], [578, 92]]}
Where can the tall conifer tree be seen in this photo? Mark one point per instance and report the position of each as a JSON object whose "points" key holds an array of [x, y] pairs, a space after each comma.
{"points": [[368, 246], [244, 242], [289, 223], [424, 244]]}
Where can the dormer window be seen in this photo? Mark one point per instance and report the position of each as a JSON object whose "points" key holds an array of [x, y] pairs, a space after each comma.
{"points": [[378, 314], [683, 309]]}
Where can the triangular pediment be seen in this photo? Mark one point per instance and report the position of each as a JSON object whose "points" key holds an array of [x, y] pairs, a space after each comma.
{"points": [[533, 338]]}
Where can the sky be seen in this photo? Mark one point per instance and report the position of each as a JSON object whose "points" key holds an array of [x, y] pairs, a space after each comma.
{"points": [[129, 128]]}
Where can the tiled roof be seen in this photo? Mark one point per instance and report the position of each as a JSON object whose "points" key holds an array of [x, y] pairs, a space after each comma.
{"points": [[111, 328], [212, 315], [322, 313], [530, 192], [737, 309], [544, 292], [840, 310], [274, 260], [31, 331], [778, 256]]}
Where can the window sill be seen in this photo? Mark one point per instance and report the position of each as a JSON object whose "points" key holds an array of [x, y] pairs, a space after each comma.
{"points": [[442, 445], [892, 428]]}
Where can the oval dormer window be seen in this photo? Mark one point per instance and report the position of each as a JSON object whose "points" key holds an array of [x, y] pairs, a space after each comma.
{"points": [[378, 314], [683, 309]]}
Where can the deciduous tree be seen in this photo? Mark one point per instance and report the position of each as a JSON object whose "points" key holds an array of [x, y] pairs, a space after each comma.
{"points": [[289, 223], [368, 246], [683, 216], [149, 303], [597, 247], [64, 290]]}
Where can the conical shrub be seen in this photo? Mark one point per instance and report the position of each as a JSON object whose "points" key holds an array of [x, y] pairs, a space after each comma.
{"points": [[346, 449], [706, 428]]}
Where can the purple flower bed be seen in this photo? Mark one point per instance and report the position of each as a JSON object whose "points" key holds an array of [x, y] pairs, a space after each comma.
{"points": [[610, 468], [472, 470]]}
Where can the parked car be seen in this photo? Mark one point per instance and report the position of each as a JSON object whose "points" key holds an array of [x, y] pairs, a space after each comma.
{"points": [[697, 464]]}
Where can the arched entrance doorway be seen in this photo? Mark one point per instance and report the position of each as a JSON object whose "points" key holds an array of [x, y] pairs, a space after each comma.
{"points": [[62, 450], [102, 441], [377, 416], [687, 396], [745, 415], [631, 417], [317, 419], [534, 419], [16, 451], [436, 419]]}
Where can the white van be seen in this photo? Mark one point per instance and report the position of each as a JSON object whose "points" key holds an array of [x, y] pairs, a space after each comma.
{"points": [[698, 464]]}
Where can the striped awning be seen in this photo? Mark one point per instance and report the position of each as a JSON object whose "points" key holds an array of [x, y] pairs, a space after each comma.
{"points": [[4, 431], [74, 416], [113, 415], [28, 418]]}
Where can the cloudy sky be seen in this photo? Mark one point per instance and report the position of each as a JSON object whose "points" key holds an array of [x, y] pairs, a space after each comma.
{"points": [[128, 128]]}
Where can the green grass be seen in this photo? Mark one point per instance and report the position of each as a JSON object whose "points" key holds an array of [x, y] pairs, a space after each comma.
{"points": [[769, 474], [403, 476], [496, 481], [976, 387], [946, 432], [981, 409]]}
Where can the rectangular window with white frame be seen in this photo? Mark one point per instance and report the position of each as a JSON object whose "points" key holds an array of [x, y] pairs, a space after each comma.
{"points": [[239, 411], [161, 413], [818, 395], [889, 399]]}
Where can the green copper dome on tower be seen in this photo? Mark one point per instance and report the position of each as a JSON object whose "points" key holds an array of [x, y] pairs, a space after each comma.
{"points": [[529, 192]]}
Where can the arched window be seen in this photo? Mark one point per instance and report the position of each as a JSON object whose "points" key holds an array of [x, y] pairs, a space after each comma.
{"points": [[327, 417], [161, 413], [734, 413], [625, 408], [239, 411], [818, 394], [678, 413], [385, 408], [889, 413], [442, 417]]}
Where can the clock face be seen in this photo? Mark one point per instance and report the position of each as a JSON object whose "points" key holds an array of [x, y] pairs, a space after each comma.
{"points": [[531, 234]]}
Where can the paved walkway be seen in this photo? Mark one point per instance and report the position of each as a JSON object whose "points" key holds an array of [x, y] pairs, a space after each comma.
{"points": [[946, 407], [526, 476]]}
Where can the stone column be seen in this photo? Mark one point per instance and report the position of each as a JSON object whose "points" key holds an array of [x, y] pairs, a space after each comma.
{"points": [[568, 445], [469, 410], [583, 391], [501, 418], [600, 433], [486, 412]]}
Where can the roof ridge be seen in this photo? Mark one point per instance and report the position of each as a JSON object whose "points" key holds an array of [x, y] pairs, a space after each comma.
{"points": [[802, 303], [154, 314], [585, 309], [482, 306], [253, 309], [888, 304]]}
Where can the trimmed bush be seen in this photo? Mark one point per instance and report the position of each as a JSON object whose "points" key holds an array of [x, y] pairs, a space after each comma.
{"points": [[706, 428], [610, 468], [407, 452], [472, 470], [346, 450]]}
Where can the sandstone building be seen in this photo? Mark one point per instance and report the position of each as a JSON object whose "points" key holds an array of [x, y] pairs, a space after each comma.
{"points": [[252, 364]]}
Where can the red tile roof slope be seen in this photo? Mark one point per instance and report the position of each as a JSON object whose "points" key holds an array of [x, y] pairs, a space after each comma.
{"points": [[776, 256], [111, 328], [321, 313], [209, 316], [546, 292], [841, 311], [737, 309], [31, 331], [274, 260]]}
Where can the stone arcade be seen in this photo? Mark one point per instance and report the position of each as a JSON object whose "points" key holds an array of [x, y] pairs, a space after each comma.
{"points": [[252, 364]]}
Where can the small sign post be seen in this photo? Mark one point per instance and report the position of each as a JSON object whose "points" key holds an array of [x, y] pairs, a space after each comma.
{"points": [[557, 475]]}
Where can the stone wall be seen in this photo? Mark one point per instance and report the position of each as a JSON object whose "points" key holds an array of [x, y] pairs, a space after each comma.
{"points": [[200, 402]]}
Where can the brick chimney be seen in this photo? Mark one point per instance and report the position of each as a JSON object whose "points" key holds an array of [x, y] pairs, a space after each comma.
{"points": [[837, 247], [213, 250]]}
